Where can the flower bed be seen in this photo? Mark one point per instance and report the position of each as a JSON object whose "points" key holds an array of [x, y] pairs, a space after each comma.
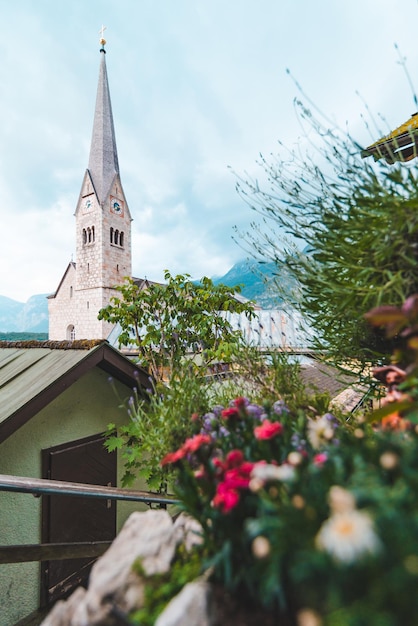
{"points": [[308, 517]]}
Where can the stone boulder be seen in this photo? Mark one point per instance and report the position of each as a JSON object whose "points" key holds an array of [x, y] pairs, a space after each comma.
{"points": [[115, 588]]}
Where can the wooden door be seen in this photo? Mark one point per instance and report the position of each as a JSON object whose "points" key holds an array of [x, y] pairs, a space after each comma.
{"points": [[74, 518]]}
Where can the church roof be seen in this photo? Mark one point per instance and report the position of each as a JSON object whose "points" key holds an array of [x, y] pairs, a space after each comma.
{"points": [[103, 160]]}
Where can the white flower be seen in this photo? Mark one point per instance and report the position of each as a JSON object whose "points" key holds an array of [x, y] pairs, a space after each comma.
{"points": [[341, 500], [267, 472], [347, 536], [320, 431], [389, 460], [294, 458], [261, 547], [307, 617]]}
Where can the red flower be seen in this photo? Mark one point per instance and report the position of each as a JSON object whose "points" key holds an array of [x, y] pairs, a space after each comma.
{"points": [[234, 458], [173, 457], [225, 499], [268, 429], [240, 403], [194, 443], [237, 479], [231, 412]]}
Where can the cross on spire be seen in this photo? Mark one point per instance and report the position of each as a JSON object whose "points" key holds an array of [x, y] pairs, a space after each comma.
{"points": [[101, 33]]}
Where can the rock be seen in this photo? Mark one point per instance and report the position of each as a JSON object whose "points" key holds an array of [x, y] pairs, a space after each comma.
{"points": [[191, 607], [62, 613], [151, 537]]}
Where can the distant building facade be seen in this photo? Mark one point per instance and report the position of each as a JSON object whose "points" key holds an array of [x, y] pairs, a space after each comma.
{"points": [[103, 235]]}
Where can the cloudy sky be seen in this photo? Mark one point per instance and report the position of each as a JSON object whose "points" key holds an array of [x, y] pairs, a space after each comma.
{"points": [[198, 87]]}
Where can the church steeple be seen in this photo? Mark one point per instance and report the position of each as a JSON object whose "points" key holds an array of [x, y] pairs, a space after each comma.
{"points": [[103, 161], [103, 234]]}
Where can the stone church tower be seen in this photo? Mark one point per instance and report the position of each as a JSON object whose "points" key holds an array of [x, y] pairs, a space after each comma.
{"points": [[103, 235]]}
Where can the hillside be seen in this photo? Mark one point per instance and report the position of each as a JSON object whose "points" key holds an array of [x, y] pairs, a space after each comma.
{"points": [[257, 280]]}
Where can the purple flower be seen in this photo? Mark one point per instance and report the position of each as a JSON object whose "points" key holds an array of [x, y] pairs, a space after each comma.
{"points": [[331, 419], [297, 442], [255, 411], [217, 410], [279, 407]]}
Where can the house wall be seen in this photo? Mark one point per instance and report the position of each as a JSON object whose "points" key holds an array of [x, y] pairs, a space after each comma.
{"points": [[82, 410]]}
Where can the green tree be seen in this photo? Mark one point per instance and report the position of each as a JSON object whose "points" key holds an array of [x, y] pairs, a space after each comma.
{"points": [[180, 318], [345, 229], [180, 329]]}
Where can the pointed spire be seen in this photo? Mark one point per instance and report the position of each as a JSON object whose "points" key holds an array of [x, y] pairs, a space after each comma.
{"points": [[103, 160]]}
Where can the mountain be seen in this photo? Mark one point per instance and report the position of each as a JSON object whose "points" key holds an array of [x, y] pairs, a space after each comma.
{"points": [[258, 281], [30, 316]]}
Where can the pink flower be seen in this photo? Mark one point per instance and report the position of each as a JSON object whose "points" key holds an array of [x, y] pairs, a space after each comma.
{"points": [[268, 429], [225, 499], [200, 473], [320, 458]]}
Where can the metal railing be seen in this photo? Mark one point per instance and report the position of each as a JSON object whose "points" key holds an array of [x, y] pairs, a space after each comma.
{"points": [[60, 551]]}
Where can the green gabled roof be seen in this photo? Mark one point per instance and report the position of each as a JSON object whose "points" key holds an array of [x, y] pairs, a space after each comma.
{"points": [[32, 374]]}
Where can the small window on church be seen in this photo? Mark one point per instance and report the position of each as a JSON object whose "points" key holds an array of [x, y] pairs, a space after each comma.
{"points": [[111, 235], [93, 235], [121, 240], [71, 292], [84, 236], [88, 268], [88, 304], [70, 333]]}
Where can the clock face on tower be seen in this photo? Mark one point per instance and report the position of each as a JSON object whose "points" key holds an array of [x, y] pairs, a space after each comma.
{"points": [[116, 206], [87, 205]]}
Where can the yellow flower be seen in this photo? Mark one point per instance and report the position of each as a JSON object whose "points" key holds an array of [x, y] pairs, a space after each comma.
{"points": [[347, 536]]}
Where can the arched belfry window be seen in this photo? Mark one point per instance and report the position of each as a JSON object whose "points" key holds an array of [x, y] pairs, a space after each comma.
{"points": [[116, 237], [70, 332], [89, 235]]}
